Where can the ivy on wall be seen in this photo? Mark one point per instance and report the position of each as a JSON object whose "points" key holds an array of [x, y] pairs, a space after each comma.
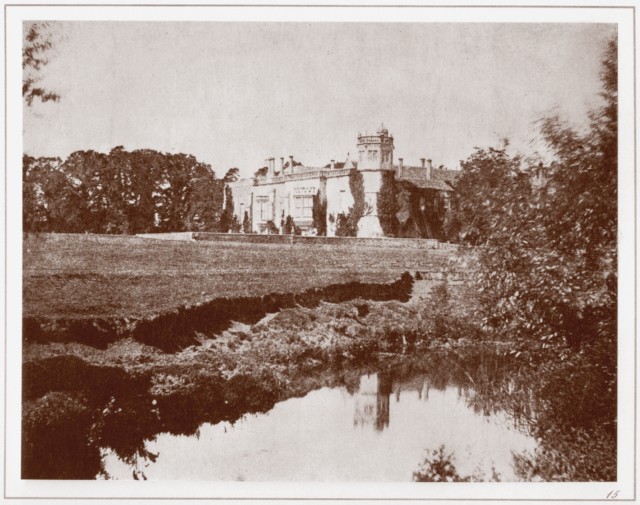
{"points": [[347, 224], [388, 205], [419, 213], [320, 214]]}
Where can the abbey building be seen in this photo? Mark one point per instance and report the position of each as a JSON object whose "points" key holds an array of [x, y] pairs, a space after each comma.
{"points": [[376, 194]]}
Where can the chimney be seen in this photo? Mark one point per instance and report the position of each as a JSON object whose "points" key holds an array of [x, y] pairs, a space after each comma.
{"points": [[333, 164], [422, 160], [400, 166], [272, 166], [428, 169], [281, 166], [291, 162]]}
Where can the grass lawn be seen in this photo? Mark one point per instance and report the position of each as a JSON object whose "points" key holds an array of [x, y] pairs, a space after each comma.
{"points": [[106, 276]]}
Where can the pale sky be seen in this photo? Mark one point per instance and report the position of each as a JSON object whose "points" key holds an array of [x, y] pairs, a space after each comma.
{"points": [[233, 94]]}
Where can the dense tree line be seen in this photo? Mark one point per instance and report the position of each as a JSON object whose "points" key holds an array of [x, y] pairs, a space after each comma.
{"points": [[123, 192]]}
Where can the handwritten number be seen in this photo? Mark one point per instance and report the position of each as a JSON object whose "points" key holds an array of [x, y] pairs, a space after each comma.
{"points": [[613, 494]]}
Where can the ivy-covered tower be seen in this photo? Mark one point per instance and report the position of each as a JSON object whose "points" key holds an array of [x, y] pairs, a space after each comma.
{"points": [[375, 155]]}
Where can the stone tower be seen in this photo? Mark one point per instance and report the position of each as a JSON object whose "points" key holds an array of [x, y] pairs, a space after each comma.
{"points": [[375, 152], [375, 155]]}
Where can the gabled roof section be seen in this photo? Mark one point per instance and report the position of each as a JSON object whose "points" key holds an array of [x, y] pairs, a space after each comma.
{"points": [[350, 164]]}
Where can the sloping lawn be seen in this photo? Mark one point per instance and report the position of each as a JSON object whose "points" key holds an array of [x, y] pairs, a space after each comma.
{"points": [[108, 276]]}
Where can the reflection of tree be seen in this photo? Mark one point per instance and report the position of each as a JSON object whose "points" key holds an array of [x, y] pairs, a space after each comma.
{"points": [[563, 405]]}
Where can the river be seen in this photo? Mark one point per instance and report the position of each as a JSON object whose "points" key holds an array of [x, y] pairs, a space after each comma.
{"points": [[382, 428]]}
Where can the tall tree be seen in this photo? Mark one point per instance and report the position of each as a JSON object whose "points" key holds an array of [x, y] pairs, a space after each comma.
{"points": [[549, 262]]}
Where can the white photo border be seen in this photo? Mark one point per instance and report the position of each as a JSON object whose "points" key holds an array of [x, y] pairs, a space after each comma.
{"points": [[623, 16]]}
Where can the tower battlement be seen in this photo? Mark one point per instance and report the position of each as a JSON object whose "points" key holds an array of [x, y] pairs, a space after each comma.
{"points": [[375, 152]]}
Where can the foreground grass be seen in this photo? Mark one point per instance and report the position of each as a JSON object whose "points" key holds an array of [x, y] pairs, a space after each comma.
{"points": [[110, 276]]}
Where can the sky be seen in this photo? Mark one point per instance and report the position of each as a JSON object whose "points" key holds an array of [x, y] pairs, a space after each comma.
{"points": [[234, 94]]}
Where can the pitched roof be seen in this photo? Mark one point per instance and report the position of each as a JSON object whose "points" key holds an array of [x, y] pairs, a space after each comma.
{"points": [[429, 184], [439, 174], [443, 174], [411, 172]]}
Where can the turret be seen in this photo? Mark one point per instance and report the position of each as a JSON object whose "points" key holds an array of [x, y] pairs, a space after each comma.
{"points": [[375, 152]]}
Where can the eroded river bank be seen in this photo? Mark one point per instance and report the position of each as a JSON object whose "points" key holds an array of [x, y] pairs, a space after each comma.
{"points": [[348, 384]]}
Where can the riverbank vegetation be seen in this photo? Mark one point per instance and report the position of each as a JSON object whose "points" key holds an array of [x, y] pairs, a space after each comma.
{"points": [[545, 257]]}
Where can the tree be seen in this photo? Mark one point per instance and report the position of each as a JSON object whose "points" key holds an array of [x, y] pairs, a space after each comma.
{"points": [[246, 223], [347, 224], [320, 213], [123, 192], [232, 175], [226, 216], [549, 258], [261, 172], [36, 44], [290, 227], [38, 175], [483, 189], [546, 273]]}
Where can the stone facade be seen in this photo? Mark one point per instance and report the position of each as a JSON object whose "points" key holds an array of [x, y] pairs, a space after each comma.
{"points": [[292, 189]]}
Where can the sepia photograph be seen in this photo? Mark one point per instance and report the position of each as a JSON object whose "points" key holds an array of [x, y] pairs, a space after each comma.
{"points": [[327, 251]]}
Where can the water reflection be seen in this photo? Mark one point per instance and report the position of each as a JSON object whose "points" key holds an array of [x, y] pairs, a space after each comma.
{"points": [[340, 434], [371, 401]]}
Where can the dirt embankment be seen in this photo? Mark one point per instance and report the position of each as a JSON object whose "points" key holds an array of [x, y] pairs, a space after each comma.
{"points": [[78, 399], [179, 328]]}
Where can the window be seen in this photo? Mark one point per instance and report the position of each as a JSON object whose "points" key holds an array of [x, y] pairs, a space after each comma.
{"points": [[303, 206], [264, 209]]}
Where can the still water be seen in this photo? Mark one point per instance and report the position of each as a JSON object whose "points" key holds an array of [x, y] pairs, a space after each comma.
{"points": [[382, 430]]}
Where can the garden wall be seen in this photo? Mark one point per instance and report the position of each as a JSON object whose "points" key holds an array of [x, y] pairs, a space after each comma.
{"points": [[181, 235], [401, 243]]}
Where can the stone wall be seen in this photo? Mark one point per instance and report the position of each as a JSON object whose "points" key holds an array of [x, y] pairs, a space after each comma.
{"points": [[182, 235], [400, 243]]}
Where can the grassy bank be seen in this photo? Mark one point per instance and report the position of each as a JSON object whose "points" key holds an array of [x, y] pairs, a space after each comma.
{"points": [[89, 276]]}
